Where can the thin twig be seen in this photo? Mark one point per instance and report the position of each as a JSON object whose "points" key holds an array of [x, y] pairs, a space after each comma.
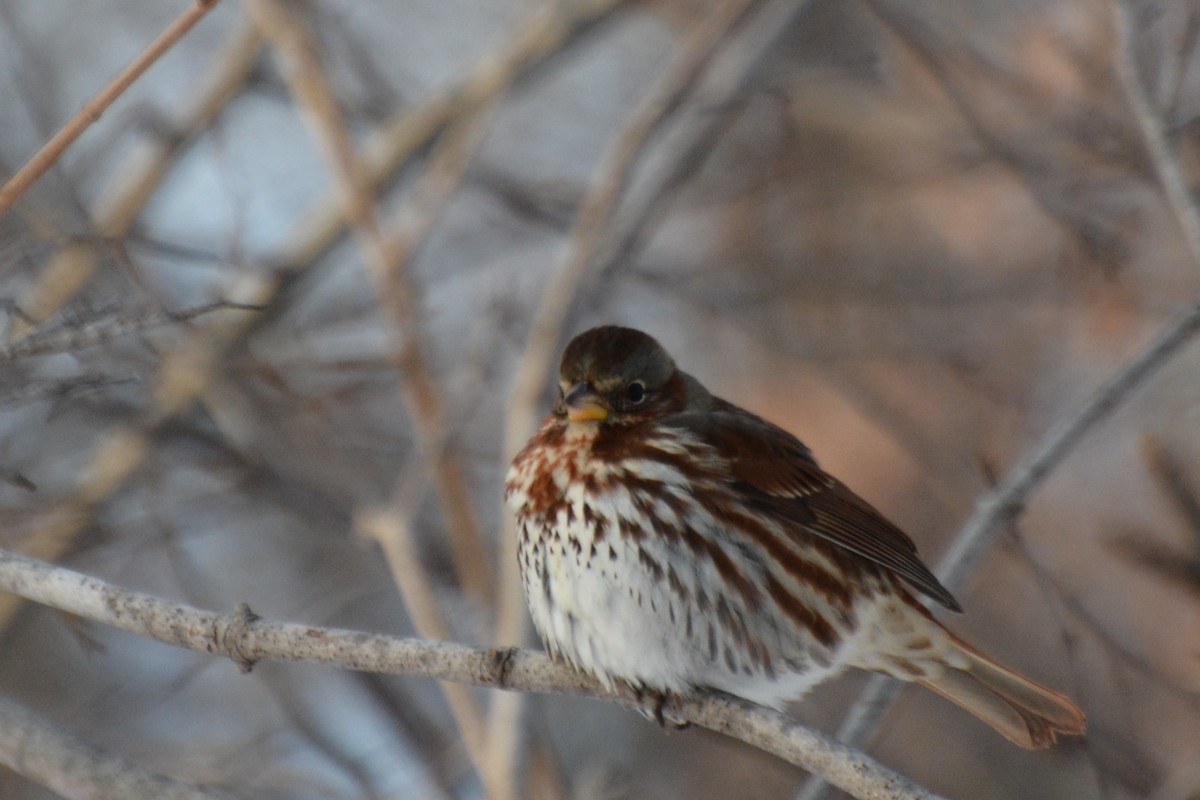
{"points": [[103, 328], [48, 755], [386, 257], [136, 179], [545, 32], [392, 530], [1166, 166], [185, 373], [94, 108], [997, 510], [246, 639]]}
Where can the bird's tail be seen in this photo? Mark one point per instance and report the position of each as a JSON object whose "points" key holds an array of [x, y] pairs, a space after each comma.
{"points": [[1022, 710]]}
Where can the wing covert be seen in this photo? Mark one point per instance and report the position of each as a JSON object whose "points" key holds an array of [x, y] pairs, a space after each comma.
{"points": [[777, 475]]}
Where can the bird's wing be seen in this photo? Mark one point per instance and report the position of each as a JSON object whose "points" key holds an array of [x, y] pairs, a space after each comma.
{"points": [[776, 474]]}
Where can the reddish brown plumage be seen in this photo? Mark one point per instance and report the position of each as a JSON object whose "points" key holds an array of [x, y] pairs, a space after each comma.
{"points": [[671, 540]]}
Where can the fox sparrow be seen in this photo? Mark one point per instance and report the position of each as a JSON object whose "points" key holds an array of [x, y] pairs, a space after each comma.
{"points": [[673, 541]]}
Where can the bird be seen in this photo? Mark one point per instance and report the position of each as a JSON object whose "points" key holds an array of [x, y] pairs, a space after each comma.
{"points": [[673, 542]]}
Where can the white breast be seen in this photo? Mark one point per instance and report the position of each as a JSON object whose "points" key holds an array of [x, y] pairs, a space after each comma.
{"points": [[626, 603]]}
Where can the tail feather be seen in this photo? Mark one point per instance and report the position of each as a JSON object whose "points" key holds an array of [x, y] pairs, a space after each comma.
{"points": [[1022, 710]]}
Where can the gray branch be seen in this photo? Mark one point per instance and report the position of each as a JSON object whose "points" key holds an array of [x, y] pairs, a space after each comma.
{"points": [[246, 638], [995, 512], [45, 753]]}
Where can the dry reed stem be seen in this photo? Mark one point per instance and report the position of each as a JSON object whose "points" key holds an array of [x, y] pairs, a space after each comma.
{"points": [[546, 31], [392, 529], [415, 219], [385, 258], [45, 158]]}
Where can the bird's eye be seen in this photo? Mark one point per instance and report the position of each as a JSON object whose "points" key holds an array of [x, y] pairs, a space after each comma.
{"points": [[635, 393]]}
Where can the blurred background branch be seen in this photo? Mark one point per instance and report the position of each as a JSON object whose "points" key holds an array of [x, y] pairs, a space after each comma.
{"points": [[51, 756], [45, 158]]}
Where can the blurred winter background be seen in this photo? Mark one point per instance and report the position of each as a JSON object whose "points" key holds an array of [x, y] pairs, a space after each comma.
{"points": [[916, 234]]}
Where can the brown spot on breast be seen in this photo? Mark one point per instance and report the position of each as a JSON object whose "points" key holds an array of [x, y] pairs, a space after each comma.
{"points": [[597, 523], [650, 565], [628, 529], [677, 586]]}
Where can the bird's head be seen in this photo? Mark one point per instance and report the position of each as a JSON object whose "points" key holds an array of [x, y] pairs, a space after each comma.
{"points": [[618, 376]]}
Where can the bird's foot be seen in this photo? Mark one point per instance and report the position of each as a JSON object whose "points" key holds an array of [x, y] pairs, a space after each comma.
{"points": [[661, 707]]}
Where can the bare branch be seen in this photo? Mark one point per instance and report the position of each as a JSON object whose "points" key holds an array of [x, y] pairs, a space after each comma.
{"points": [[94, 108], [999, 509], [245, 638], [993, 513], [135, 181], [393, 531], [386, 257], [1166, 167], [546, 31], [52, 757], [103, 328]]}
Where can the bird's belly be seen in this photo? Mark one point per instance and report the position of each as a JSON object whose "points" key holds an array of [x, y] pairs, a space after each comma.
{"points": [[605, 613], [642, 612]]}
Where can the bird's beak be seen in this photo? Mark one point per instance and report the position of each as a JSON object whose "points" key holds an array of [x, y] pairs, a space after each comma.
{"points": [[583, 404]]}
